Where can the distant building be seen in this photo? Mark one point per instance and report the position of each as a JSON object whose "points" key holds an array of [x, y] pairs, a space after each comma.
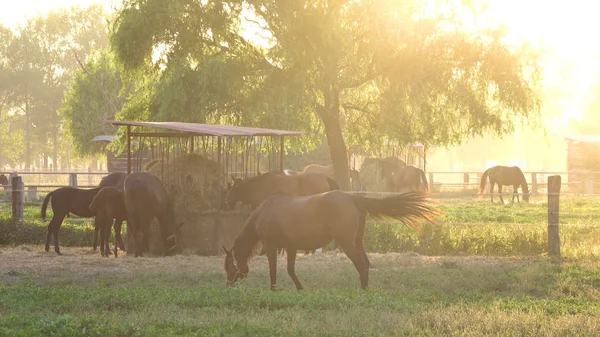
{"points": [[583, 162]]}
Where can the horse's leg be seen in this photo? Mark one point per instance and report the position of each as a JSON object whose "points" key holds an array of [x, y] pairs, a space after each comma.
{"points": [[54, 225], [492, 183], [515, 193], [272, 256], [104, 237], [133, 226], [109, 226], [358, 242], [361, 265], [118, 227], [291, 267], [500, 193], [96, 229]]}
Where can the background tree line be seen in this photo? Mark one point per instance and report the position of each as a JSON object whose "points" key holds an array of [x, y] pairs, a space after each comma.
{"points": [[37, 63], [351, 73]]}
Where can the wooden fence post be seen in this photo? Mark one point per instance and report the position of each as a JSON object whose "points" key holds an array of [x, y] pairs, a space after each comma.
{"points": [[73, 180], [431, 181], [465, 181], [553, 209], [18, 197], [534, 184], [89, 176]]}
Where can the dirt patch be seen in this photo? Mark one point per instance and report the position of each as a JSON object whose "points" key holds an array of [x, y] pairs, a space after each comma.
{"points": [[81, 264]]}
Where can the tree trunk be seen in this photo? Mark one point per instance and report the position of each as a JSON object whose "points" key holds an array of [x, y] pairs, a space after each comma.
{"points": [[330, 115], [337, 149]]}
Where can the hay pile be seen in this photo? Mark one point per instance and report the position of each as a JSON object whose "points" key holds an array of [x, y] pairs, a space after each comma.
{"points": [[191, 180], [370, 177]]}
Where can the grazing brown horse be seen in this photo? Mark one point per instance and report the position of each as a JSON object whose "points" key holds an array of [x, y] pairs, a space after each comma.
{"points": [[108, 204], [409, 177], [328, 170], [386, 166], [66, 200], [146, 198], [254, 190], [310, 222], [115, 179], [505, 175]]}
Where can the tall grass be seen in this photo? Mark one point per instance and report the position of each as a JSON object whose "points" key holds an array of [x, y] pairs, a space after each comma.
{"points": [[466, 227]]}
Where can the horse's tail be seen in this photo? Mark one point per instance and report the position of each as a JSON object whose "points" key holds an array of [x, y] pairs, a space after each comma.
{"points": [[45, 204], [424, 179], [333, 185], [407, 207], [483, 181]]}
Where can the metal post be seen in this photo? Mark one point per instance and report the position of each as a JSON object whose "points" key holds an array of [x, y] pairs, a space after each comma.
{"points": [[128, 149], [217, 225], [281, 153]]}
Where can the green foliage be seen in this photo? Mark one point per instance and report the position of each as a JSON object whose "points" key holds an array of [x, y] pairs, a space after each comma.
{"points": [[34, 232], [94, 94]]}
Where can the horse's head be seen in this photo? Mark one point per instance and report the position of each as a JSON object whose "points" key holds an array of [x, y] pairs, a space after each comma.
{"points": [[232, 271], [233, 194], [526, 195], [170, 230]]}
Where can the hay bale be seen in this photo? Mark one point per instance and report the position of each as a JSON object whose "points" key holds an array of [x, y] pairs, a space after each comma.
{"points": [[191, 180], [370, 177]]}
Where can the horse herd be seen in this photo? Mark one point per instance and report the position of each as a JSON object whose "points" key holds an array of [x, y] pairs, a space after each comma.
{"points": [[292, 211]]}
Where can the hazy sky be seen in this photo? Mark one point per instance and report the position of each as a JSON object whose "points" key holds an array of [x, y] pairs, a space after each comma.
{"points": [[566, 29]]}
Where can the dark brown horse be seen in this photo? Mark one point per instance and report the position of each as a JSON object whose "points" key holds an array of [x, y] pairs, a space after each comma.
{"points": [[254, 190], [505, 175], [115, 179], [328, 170], [108, 204], [145, 199], [310, 222], [3, 180], [409, 177], [386, 166], [66, 200]]}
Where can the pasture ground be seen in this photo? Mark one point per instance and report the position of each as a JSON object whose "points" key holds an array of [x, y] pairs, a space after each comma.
{"points": [[82, 294]]}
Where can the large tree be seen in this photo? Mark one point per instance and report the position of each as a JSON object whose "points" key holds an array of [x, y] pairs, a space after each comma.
{"points": [[41, 58], [367, 71]]}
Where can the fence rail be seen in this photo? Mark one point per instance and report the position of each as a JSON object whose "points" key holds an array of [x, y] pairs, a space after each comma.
{"points": [[18, 190]]}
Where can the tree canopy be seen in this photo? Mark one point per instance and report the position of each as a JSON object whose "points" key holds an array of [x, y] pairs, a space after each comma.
{"points": [[364, 72], [37, 61]]}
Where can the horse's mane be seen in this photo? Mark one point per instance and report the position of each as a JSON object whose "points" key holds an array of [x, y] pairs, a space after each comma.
{"points": [[245, 235]]}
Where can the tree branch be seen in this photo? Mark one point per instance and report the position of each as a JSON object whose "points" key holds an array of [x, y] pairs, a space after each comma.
{"points": [[99, 84]]}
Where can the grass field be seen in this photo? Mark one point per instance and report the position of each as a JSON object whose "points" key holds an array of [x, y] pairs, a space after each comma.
{"points": [[481, 270], [81, 294]]}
